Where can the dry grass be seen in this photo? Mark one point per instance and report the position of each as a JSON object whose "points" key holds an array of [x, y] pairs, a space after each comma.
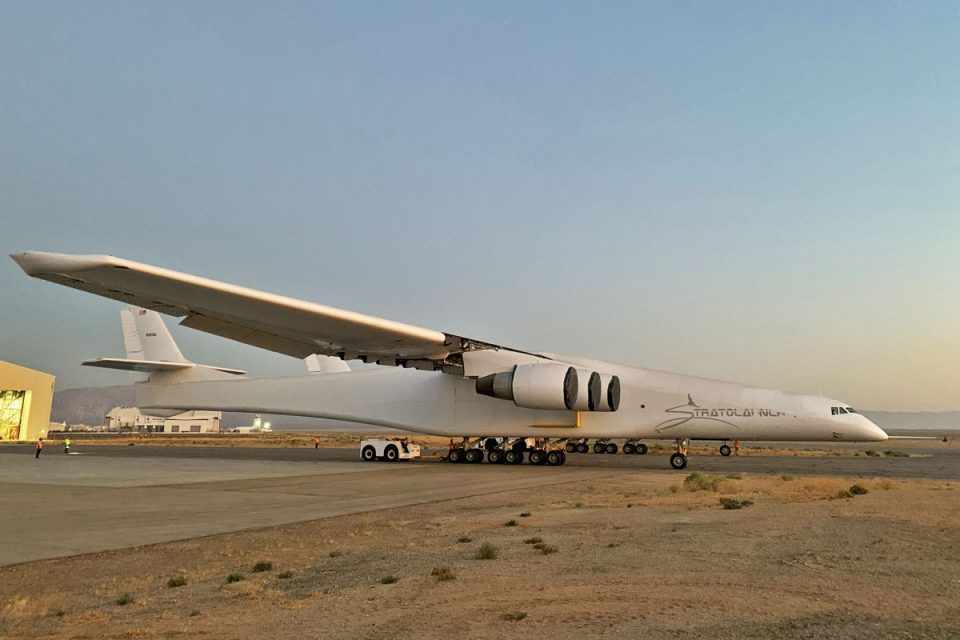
{"points": [[487, 552], [443, 574]]}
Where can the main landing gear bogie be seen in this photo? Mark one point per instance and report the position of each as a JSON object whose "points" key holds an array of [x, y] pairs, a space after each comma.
{"points": [[502, 451]]}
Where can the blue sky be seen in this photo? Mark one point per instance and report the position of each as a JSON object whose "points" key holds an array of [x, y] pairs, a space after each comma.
{"points": [[757, 191]]}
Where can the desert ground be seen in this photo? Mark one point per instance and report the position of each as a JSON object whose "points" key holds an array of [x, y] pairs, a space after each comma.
{"points": [[603, 549]]}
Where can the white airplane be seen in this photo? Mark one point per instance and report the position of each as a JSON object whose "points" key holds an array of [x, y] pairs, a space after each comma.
{"points": [[499, 398]]}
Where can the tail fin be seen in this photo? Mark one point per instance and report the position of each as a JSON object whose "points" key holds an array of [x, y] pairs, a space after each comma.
{"points": [[150, 347], [146, 337]]}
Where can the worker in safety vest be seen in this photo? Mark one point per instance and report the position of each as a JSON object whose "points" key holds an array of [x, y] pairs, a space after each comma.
{"points": [[66, 445], [39, 448]]}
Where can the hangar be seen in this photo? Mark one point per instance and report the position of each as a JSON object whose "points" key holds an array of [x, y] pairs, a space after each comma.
{"points": [[26, 397]]}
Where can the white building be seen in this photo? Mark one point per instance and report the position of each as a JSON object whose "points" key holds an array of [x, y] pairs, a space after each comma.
{"points": [[130, 419]]}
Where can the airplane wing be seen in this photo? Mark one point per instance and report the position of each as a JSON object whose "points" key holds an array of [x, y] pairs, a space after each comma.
{"points": [[277, 323]]}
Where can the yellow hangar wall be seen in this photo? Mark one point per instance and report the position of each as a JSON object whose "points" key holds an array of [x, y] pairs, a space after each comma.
{"points": [[26, 397]]}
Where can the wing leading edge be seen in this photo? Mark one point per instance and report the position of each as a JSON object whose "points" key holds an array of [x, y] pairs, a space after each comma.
{"points": [[277, 323]]}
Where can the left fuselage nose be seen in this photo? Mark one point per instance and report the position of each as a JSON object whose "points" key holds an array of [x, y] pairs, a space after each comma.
{"points": [[867, 431]]}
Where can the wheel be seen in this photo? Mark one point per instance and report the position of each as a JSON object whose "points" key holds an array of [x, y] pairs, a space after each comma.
{"points": [[612, 447], [563, 457], [599, 447], [391, 453], [457, 455], [495, 456], [724, 450], [583, 448], [641, 449], [571, 447], [474, 456], [678, 461], [554, 458], [629, 449], [369, 454], [512, 456], [538, 456]]}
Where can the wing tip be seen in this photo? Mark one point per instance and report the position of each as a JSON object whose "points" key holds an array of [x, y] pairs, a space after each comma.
{"points": [[37, 263]]}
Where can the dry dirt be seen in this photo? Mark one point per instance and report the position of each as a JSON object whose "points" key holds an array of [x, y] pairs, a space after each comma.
{"points": [[638, 555]]}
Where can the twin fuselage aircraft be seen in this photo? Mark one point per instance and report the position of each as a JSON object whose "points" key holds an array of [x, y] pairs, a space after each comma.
{"points": [[430, 382]]}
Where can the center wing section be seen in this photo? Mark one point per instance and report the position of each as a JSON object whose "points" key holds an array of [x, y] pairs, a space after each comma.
{"points": [[277, 323]]}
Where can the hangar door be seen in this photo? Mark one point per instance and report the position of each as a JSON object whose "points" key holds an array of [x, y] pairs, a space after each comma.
{"points": [[11, 413]]}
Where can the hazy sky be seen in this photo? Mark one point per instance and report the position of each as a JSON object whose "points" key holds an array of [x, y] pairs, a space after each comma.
{"points": [[758, 191]]}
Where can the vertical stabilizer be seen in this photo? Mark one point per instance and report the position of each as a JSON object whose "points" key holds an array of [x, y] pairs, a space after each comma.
{"points": [[148, 338]]}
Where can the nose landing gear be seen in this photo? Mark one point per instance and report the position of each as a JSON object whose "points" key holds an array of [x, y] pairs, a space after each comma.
{"points": [[679, 459]]}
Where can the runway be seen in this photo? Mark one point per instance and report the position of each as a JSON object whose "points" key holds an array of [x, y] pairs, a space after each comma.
{"points": [[110, 497]]}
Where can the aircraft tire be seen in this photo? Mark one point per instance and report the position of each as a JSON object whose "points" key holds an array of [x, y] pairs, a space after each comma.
{"points": [[512, 456], [537, 456], [724, 450], [495, 456], [629, 449], [678, 461], [612, 447], [563, 457], [456, 455], [599, 447], [554, 458], [391, 453], [641, 449], [369, 454], [583, 448], [571, 447], [474, 456]]}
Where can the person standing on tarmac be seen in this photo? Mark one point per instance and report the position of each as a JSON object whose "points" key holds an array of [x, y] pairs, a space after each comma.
{"points": [[316, 443], [39, 448], [66, 445]]}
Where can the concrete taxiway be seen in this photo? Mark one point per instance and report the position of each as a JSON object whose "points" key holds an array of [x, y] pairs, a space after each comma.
{"points": [[116, 496]]}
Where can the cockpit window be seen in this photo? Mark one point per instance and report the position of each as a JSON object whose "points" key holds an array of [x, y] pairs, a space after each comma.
{"points": [[840, 410], [850, 410]]}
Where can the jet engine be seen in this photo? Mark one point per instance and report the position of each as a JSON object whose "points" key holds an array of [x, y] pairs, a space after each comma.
{"points": [[534, 386], [553, 386]]}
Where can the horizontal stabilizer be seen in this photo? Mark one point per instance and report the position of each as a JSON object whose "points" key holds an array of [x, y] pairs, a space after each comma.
{"points": [[151, 366]]}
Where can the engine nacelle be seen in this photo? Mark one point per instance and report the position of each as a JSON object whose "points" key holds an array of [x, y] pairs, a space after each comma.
{"points": [[608, 398], [534, 386], [588, 390]]}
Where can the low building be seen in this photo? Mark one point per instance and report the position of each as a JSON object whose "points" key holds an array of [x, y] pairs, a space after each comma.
{"points": [[131, 419], [26, 397]]}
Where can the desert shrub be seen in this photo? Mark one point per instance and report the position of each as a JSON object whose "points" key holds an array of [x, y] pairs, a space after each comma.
{"points": [[533, 540], [896, 454], [59, 613], [701, 482], [194, 613], [578, 505], [786, 478], [262, 566], [234, 577], [858, 490], [487, 552], [510, 523], [124, 600], [871, 453], [443, 574], [674, 488], [547, 549], [844, 493], [525, 514], [285, 575], [388, 579], [735, 503], [335, 554], [514, 616], [464, 539], [176, 581]]}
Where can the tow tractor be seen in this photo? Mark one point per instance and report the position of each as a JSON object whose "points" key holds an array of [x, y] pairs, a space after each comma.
{"points": [[390, 450]]}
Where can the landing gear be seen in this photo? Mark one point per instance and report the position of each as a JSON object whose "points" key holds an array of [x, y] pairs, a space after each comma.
{"points": [[495, 456], [583, 447], [571, 447], [474, 456], [725, 450], [599, 447], [629, 449], [641, 449], [457, 454], [538, 456], [612, 447], [512, 456], [679, 459], [556, 458]]}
